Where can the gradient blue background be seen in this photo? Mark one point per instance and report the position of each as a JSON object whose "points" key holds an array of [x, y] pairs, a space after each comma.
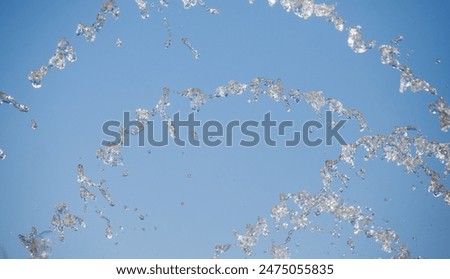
{"points": [[228, 187]]}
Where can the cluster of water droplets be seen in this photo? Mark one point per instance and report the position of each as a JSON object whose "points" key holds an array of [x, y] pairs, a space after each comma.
{"points": [[86, 184], [252, 234], [406, 145], [142, 5], [39, 245], [111, 154], [8, 99], [64, 51], [168, 41], [407, 80], [89, 31], [191, 3], [443, 110], [194, 51], [108, 228], [356, 40], [273, 88], [63, 218], [306, 8]]}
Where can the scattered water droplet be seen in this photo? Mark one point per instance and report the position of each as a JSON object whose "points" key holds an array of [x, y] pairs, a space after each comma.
{"points": [[118, 42], [34, 124], [186, 42], [143, 7]]}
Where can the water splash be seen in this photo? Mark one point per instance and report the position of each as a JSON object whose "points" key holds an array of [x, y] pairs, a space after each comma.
{"points": [[111, 154], [298, 211], [64, 51], [85, 182], [443, 110], [63, 218], [186, 42], [394, 147], [356, 41], [164, 3], [301, 8], [275, 90], [251, 236], [397, 40], [8, 99], [189, 3], [208, 9], [306, 8], [328, 13], [108, 229], [196, 97], [89, 32], [220, 249], [142, 5], [168, 41], [279, 252], [407, 147], [38, 245], [161, 107], [408, 80]]}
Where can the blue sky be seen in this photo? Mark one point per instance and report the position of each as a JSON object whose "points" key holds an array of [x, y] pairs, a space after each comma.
{"points": [[193, 198]]}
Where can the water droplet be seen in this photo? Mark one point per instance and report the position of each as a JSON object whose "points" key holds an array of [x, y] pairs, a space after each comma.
{"points": [[186, 42], [34, 124], [118, 42]]}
